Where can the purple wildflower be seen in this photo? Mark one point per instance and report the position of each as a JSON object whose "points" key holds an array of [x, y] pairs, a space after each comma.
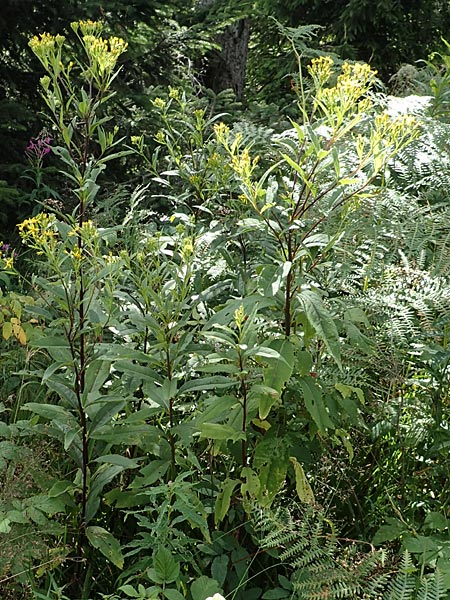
{"points": [[37, 148]]}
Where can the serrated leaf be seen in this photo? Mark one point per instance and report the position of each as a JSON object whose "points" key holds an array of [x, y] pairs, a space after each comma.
{"points": [[173, 594], [271, 476], [108, 545], [436, 521], [166, 568], [5, 526], [389, 532], [130, 591]]}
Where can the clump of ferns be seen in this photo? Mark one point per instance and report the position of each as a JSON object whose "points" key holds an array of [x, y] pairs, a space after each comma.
{"points": [[321, 564], [423, 167], [404, 300]]}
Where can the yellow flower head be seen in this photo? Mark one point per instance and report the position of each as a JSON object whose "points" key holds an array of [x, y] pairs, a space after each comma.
{"points": [[321, 69], [159, 103], [222, 132], [160, 137], [102, 53], [47, 48], [39, 231], [77, 253], [87, 27]]}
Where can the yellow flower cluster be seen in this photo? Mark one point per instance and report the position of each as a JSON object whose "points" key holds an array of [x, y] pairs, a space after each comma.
{"points": [[88, 231], [6, 262], [88, 27], [321, 69], [48, 49], [358, 75], [394, 132], [104, 53], [160, 137], [348, 95], [242, 163], [159, 103], [77, 253], [38, 231], [45, 43], [222, 133]]}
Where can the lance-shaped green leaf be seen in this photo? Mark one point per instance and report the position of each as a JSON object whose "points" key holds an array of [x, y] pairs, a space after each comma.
{"points": [[315, 405], [51, 411], [303, 489], [217, 431], [223, 500], [322, 321], [207, 383], [108, 545], [279, 369]]}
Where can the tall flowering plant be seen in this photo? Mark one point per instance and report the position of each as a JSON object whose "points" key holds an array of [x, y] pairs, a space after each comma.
{"points": [[78, 273]]}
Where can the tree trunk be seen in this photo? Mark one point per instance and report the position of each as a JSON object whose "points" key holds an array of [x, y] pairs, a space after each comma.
{"points": [[228, 69]]}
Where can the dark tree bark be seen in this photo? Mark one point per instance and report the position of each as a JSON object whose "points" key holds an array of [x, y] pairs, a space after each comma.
{"points": [[227, 69]]}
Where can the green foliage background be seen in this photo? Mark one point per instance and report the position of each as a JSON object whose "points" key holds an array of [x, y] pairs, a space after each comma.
{"points": [[224, 363]]}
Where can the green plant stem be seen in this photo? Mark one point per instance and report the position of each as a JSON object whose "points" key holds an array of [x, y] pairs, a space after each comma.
{"points": [[171, 421], [244, 412]]}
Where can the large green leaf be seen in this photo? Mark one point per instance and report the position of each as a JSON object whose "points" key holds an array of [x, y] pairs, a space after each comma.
{"points": [[391, 530], [103, 475], [96, 375], [322, 321], [304, 490], [217, 431], [267, 397], [51, 342], [279, 369], [208, 383], [51, 411], [108, 545], [61, 388], [165, 568], [119, 460], [204, 587], [315, 405], [271, 461], [223, 500], [219, 568]]}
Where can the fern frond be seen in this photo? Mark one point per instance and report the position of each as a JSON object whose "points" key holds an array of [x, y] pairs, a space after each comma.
{"points": [[432, 587], [403, 585]]}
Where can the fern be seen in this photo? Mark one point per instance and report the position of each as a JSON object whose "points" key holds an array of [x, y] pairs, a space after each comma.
{"points": [[402, 586], [324, 567], [432, 587]]}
